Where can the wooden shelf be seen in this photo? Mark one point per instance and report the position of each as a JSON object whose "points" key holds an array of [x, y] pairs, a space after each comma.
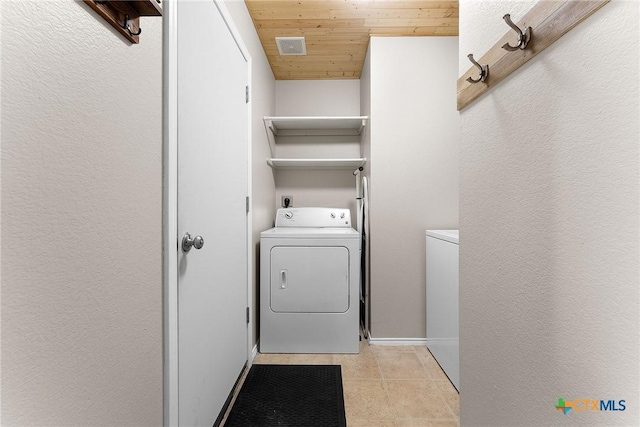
{"points": [[549, 20], [124, 15], [316, 163], [147, 7]]}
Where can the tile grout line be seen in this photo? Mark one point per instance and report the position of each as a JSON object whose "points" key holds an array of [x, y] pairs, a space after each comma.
{"points": [[440, 392], [385, 386]]}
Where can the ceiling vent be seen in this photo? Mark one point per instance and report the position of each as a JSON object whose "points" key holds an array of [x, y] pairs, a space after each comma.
{"points": [[291, 45]]}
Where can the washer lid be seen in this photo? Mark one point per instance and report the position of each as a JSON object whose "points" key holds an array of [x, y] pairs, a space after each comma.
{"points": [[448, 235], [314, 217]]}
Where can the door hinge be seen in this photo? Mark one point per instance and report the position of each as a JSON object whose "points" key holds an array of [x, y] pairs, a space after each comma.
{"points": [[247, 204], [246, 93], [248, 315]]}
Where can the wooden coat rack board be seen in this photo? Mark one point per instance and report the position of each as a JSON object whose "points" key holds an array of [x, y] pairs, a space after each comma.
{"points": [[124, 16], [548, 20]]}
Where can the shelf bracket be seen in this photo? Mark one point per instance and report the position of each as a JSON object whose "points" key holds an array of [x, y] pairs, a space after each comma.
{"points": [[271, 136]]}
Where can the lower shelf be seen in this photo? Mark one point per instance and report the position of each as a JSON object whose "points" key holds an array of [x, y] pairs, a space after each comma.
{"points": [[316, 163]]}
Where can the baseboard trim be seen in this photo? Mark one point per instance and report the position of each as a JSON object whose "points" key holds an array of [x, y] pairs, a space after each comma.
{"points": [[254, 352], [440, 341], [397, 341]]}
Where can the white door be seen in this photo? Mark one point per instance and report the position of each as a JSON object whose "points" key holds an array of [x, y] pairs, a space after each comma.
{"points": [[212, 187]]}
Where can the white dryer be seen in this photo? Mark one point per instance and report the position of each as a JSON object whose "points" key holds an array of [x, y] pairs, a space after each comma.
{"points": [[309, 279]]}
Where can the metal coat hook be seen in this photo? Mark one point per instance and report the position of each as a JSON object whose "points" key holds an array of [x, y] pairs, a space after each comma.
{"points": [[127, 26], [523, 37], [484, 70]]}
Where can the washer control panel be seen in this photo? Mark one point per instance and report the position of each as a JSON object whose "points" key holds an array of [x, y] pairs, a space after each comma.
{"points": [[313, 217]]}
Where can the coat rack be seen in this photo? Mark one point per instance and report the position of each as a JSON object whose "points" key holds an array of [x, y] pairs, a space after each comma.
{"points": [[545, 23], [124, 16]]}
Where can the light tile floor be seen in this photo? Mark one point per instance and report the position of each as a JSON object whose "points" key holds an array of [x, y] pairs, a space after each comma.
{"points": [[388, 386]]}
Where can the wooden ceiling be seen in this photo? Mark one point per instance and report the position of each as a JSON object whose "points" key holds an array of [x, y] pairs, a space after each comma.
{"points": [[337, 32]]}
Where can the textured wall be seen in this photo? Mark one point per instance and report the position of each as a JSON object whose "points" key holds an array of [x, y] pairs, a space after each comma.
{"points": [[81, 218], [549, 225], [414, 137]]}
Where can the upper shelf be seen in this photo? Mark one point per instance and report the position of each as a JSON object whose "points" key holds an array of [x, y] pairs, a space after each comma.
{"points": [[312, 126]]}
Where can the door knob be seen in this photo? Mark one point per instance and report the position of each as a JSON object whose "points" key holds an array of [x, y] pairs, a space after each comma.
{"points": [[187, 242]]}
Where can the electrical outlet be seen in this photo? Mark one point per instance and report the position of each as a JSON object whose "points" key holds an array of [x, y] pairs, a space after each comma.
{"points": [[287, 201]]}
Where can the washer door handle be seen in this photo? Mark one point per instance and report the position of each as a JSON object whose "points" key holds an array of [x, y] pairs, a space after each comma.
{"points": [[283, 279], [187, 242]]}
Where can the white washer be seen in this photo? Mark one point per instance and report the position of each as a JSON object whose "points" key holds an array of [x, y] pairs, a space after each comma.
{"points": [[309, 278]]}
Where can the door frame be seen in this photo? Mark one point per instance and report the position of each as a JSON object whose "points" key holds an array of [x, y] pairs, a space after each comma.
{"points": [[170, 236]]}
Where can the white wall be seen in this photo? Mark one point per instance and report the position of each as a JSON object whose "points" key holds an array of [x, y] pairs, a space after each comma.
{"points": [[365, 110], [365, 106], [81, 218], [326, 188], [549, 225], [262, 104], [414, 142], [318, 98]]}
